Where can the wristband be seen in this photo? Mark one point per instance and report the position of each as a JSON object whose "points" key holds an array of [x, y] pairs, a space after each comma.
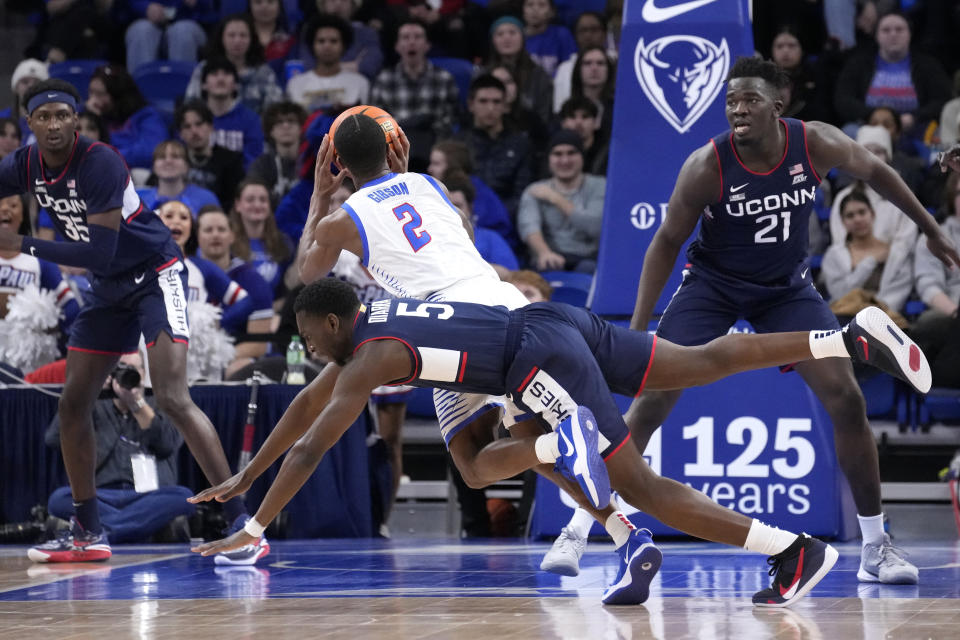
{"points": [[254, 528]]}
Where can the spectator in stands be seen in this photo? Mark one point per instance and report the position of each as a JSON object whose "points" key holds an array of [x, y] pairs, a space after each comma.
{"points": [[10, 136], [422, 98], [581, 115], [488, 210], [271, 28], [549, 44], [862, 261], [277, 167], [913, 84], [364, 54], [235, 40], [92, 126], [444, 20], [328, 85], [534, 86], [531, 284], [801, 97], [212, 166], [234, 126], [937, 330], [28, 73], [590, 30], [594, 76], [904, 158], [491, 246], [214, 239], [176, 26], [502, 156], [73, 29], [258, 240], [136, 462], [520, 118], [20, 270], [136, 128], [890, 225], [560, 218], [170, 168]]}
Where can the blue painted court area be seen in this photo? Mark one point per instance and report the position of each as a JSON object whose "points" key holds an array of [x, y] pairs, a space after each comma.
{"points": [[444, 569]]}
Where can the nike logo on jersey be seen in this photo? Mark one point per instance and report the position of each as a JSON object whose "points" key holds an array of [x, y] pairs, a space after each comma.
{"points": [[735, 189], [787, 594], [566, 440], [803, 274], [33, 251], [139, 278], [652, 13]]}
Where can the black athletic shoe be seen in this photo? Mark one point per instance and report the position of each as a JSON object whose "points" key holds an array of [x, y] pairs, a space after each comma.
{"points": [[796, 570], [873, 338]]}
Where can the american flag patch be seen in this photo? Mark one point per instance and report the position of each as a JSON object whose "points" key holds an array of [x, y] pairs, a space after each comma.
{"points": [[795, 169], [72, 184]]}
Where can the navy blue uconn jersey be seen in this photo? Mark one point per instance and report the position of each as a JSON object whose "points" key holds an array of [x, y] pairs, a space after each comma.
{"points": [[95, 180], [467, 355], [758, 231]]}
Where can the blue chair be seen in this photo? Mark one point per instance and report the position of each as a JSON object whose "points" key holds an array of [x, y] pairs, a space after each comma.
{"points": [[77, 73], [163, 82], [569, 286], [462, 71]]}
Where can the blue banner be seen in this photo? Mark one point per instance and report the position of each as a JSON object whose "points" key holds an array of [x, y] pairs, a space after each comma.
{"points": [[674, 57], [758, 442]]}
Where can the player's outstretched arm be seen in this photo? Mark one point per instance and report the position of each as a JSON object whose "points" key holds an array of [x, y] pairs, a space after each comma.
{"points": [[829, 147], [309, 403], [377, 363], [96, 253], [698, 185]]}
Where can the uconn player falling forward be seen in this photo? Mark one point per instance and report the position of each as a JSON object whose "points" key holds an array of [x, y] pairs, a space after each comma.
{"points": [[553, 361], [137, 286], [756, 183]]}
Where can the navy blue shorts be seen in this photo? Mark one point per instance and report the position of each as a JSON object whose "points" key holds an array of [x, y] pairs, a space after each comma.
{"points": [[147, 300], [569, 357], [706, 305]]}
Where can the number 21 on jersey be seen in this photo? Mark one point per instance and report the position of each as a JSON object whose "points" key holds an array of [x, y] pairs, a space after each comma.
{"points": [[417, 237]]}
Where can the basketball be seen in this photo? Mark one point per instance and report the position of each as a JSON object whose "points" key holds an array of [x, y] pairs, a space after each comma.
{"points": [[384, 119]]}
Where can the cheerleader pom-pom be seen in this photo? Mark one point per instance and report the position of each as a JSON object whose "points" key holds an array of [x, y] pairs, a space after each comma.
{"points": [[28, 337], [211, 349]]}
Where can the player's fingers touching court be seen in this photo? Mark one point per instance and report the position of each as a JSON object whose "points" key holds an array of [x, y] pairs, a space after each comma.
{"points": [[237, 540]]}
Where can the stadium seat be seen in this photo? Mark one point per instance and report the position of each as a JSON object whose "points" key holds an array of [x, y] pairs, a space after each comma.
{"points": [[77, 73], [569, 286], [462, 71], [163, 82]]}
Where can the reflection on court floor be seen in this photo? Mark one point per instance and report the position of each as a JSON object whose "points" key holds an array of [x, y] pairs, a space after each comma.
{"points": [[464, 590]]}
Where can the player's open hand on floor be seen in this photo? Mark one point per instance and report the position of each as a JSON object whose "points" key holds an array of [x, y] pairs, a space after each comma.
{"points": [[230, 488], [235, 541]]}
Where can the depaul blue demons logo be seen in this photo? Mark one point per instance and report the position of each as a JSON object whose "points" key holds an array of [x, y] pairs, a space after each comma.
{"points": [[681, 75]]}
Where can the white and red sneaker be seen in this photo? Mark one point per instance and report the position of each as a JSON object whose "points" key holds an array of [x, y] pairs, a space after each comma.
{"points": [[73, 545], [796, 570], [873, 338], [246, 555]]}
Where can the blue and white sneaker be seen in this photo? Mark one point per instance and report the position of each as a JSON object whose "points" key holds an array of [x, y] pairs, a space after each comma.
{"points": [[578, 436], [247, 554], [73, 545], [639, 562]]}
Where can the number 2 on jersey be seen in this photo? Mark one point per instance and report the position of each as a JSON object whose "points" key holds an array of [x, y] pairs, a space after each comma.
{"points": [[417, 237]]}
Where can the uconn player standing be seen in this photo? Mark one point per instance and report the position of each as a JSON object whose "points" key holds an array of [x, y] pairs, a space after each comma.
{"points": [[753, 186], [138, 286]]}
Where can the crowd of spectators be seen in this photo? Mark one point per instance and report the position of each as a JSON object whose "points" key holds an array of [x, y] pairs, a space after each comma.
{"points": [[510, 103]]}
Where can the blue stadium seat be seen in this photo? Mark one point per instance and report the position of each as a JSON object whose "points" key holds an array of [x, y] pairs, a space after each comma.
{"points": [[569, 286], [163, 82], [462, 71], [914, 308], [77, 73], [943, 405]]}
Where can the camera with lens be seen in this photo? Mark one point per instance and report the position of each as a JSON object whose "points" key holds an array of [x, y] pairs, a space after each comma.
{"points": [[126, 376]]}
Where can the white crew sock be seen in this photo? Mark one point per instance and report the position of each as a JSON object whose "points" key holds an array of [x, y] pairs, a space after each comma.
{"points": [[767, 540], [827, 344], [547, 448], [581, 523], [619, 528], [871, 528]]}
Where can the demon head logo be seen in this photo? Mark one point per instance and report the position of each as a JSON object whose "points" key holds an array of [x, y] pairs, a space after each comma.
{"points": [[681, 75]]}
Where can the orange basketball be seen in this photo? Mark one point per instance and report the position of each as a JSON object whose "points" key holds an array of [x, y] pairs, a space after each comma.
{"points": [[384, 119]]}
